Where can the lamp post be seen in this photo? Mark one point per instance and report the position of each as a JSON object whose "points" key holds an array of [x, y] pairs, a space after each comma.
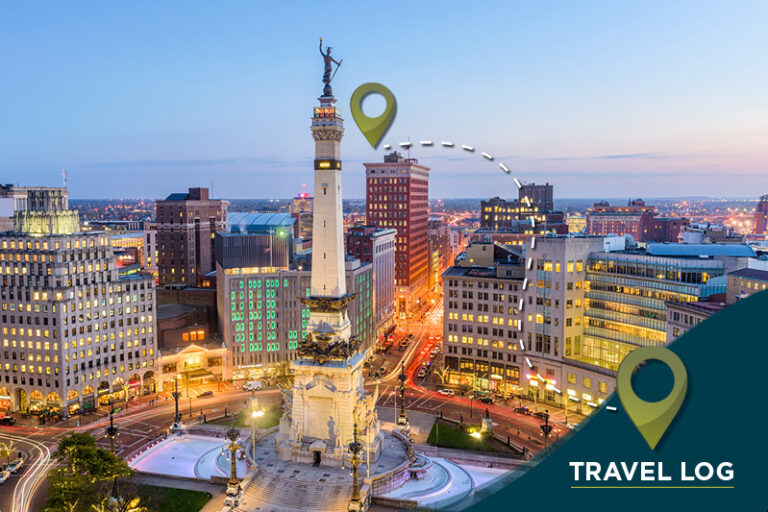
{"points": [[176, 395], [546, 429], [402, 419], [233, 434], [112, 431], [355, 502]]}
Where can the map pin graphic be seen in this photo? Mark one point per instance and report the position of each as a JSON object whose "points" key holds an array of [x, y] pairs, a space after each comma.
{"points": [[651, 418], [373, 128]]}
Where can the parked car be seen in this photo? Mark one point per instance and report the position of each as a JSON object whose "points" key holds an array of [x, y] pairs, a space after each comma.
{"points": [[15, 465], [382, 370], [522, 410], [252, 385], [446, 392], [5, 475], [421, 374], [205, 394], [7, 421], [485, 400], [541, 415]]}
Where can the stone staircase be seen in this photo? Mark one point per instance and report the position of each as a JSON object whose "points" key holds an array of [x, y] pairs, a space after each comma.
{"points": [[269, 492]]}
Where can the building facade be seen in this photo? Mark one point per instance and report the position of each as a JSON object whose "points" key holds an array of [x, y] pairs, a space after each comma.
{"points": [[481, 322], [301, 210], [744, 282], [74, 334], [186, 224], [540, 195], [376, 246], [262, 320], [636, 219], [397, 194], [760, 218], [684, 316]]}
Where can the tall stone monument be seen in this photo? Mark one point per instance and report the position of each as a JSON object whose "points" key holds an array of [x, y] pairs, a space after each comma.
{"points": [[328, 397]]}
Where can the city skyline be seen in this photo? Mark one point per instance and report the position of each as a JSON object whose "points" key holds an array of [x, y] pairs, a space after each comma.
{"points": [[648, 98]]}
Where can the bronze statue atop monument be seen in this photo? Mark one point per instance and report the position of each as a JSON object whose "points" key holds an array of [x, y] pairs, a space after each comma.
{"points": [[328, 72]]}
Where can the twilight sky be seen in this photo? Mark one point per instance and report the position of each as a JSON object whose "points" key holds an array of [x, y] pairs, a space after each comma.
{"points": [[602, 99]]}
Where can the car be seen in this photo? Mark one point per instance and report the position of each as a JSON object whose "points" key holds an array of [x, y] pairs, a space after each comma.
{"points": [[523, 410], [485, 400], [421, 374], [15, 465], [252, 385], [205, 394], [382, 370], [4, 475], [7, 421], [541, 415], [446, 392]]}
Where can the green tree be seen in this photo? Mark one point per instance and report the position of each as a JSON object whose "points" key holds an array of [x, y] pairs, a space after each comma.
{"points": [[6, 450], [86, 475]]}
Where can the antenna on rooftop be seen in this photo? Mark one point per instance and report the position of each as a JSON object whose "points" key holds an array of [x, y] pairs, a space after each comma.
{"points": [[64, 176]]}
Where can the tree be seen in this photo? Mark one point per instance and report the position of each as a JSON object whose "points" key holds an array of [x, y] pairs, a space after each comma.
{"points": [[87, 475], [6, 450], [442, 372]]}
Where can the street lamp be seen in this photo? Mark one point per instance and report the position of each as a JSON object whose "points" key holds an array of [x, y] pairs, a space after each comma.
{"points": [[403, 418], [233, 485], [112, 431], [355, 502], [546, 429], [176, 395], [255, 414]]}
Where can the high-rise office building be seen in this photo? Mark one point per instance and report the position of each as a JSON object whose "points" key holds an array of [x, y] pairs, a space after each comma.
{"points": [[377, 246], [74, 334], [186, 225], [540, 195], [301, 210], [760, 217], [513, 222], [25, 209], [481, 323], [397, 195]]}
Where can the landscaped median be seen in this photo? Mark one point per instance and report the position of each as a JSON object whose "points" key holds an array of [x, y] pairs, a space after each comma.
{"points": [[463, 437], [167, 499]]}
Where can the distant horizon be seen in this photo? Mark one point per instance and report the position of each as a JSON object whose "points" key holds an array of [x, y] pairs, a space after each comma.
{"points": [[607, 99]]}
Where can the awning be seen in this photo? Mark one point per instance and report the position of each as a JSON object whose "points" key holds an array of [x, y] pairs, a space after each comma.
{"points": [[198, 374]]}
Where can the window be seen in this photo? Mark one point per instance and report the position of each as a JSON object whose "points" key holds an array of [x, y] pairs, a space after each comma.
{"points": [[587, 383]]}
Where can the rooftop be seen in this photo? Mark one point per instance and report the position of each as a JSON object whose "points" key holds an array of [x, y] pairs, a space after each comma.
{"points": [[704, 307], [751, 273], [255, 222], [175, 309], [700, 250]]}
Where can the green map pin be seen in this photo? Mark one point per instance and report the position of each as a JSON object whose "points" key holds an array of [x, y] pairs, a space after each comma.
{"points": [[651, 418], [373, 128]]}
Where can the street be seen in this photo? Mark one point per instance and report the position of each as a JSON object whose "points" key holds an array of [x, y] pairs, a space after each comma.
{"points": [[150, 416]]}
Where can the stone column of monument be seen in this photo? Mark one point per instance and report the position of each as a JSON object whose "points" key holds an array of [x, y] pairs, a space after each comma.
{"points": [[328, 394]]}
